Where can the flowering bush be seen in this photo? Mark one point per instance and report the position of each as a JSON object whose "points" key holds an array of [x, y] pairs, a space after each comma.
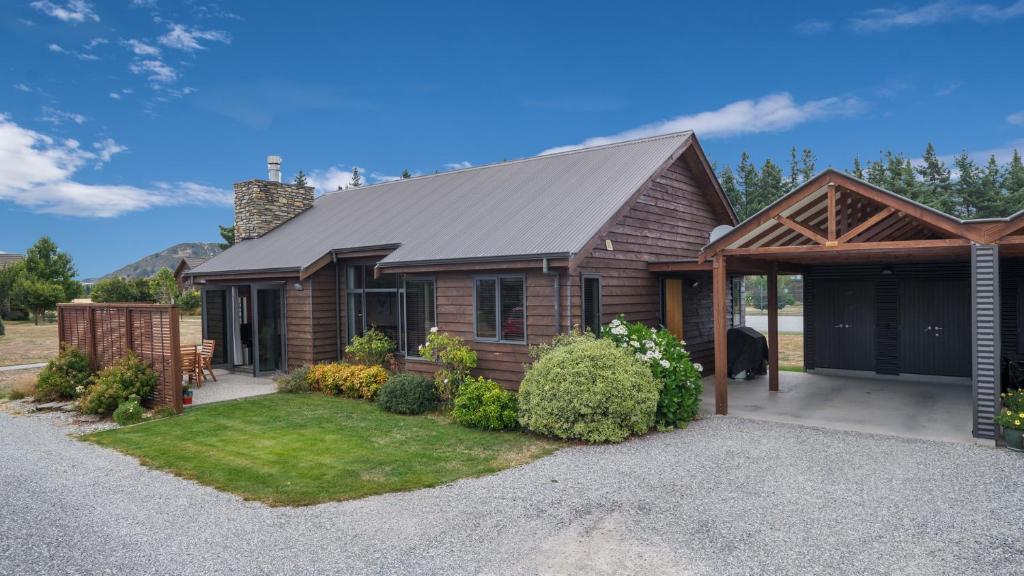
{"points": [[456, 360], [481, 403], [128, 412], [670, 363], [351, 380], [1012, 414], [372, 349]]}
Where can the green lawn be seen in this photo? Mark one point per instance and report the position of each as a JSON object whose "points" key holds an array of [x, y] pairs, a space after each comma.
{"points": [[299, 449]]}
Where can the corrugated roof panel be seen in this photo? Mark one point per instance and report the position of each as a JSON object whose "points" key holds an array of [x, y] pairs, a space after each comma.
{"points": [[549, 204]]}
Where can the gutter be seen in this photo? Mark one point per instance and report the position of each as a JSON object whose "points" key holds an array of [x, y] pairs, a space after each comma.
{"points": [[473, 259]]}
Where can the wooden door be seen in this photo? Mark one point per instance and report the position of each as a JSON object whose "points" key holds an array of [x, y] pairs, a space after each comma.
{"points": [[674, 306], [844, 324], [935, 336]]}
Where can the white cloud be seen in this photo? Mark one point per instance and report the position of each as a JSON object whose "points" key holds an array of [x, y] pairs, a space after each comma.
{"points": [[812, 27], [772, 113], [948, 89], [105, 150], [187, 39], [1017, 118], [332, 178], [96, 42], [21, 86], [458, 165], [58, 49], [141, 48], [120, 94], [58, 117], [155, 70], [71, 11], [144, 3], [885, 19], [37, 171]]}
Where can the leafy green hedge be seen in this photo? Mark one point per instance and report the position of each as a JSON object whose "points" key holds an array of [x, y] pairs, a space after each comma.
{"points": [[482, 403]]}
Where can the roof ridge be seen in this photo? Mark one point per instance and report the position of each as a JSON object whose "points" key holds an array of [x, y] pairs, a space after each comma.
{"points": [[524, 159]]}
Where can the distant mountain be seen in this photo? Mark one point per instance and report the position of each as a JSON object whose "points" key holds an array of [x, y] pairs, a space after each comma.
{"points": [[168, 258]]}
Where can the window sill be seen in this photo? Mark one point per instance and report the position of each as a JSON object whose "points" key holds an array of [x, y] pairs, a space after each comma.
{"points": [[509, 342]]}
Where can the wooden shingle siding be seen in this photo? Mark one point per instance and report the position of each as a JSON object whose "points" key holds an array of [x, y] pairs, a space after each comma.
{"points": [[298, 323], [670, 220]]}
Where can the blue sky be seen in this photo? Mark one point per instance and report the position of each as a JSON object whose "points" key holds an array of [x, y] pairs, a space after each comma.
{"points": [[126, 122]]}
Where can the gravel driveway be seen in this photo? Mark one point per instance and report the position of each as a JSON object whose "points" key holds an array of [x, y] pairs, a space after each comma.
{"points": [[726, 496]]}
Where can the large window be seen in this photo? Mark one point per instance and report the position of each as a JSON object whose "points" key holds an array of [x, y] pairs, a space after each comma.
{"points": [[402, 308], [592, 304], [499, 308]]}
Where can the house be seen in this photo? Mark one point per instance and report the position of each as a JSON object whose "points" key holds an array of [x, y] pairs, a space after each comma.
{"points": [[504, 256], [7, 259], [181, 275], [892, 289]]}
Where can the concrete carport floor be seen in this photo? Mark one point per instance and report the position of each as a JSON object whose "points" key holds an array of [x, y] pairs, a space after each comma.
{"points": [[921, 408]]}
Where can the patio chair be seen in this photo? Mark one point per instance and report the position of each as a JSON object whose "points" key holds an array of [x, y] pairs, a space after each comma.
{"points": [[206, 358], [191, 365]]}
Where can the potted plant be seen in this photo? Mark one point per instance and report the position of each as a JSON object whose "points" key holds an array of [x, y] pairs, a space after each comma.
{"points": [[186, 393], [1011, 419]]}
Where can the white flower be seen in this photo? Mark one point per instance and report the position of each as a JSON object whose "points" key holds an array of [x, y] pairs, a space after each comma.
{"points": [[616, 322], [698, 366], [433, 330], [618, 330], [664, 364], [648, 344], [79, 390], [634, 343]]}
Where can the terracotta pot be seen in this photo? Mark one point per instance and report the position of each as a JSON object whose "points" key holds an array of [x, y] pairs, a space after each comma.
{"points": [[1014, 439]]}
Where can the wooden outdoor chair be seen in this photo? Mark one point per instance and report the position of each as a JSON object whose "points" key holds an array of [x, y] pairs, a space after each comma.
{"points": [[191, 365], [206, 358]]}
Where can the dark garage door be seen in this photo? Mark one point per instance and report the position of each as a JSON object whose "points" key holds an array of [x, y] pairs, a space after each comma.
{"points": [[935, 337], [844, 326]]}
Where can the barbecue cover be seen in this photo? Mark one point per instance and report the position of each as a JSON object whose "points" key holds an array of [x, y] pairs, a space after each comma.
{"points": [[748, 350]]}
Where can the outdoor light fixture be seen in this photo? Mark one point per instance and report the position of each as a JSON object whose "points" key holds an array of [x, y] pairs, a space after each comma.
{"points": [[887, 271], [297, 286], [695, 283]]}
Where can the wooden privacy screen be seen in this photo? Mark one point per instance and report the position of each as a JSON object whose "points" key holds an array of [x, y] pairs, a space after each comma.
{"points": [[106, 332]]}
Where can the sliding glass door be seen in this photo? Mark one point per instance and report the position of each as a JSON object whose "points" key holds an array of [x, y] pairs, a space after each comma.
{"points": [[269, 321]]}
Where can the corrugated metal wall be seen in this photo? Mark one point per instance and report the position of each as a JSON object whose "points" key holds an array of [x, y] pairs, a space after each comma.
{"points": [[985, 316]]}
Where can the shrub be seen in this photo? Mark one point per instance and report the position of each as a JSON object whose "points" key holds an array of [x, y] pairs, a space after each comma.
{"points": [[121, 289], [574, 336], [481, 403], [63, 375], [669, 362], [352, 380], [455, 358], [590, 389], [128, 412], [164, 412], [372, 349], [407, 394], [1012, 414], [128, 377], [296, 382], [190, 301], [15, 395]]}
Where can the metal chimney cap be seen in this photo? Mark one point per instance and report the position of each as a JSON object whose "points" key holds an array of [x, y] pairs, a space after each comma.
{"points": [[273, 159]]}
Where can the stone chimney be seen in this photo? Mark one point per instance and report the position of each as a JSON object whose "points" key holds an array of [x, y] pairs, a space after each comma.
{"points": [[262, 205]]}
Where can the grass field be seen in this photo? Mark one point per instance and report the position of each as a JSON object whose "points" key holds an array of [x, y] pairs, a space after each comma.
{"points": [[26, 343], [299, 449], [793, 310]]}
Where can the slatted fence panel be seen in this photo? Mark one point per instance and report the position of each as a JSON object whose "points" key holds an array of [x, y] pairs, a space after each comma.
{"points": [[106, 332]]}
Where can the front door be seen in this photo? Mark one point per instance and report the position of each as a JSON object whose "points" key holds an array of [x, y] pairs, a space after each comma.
{"points": [[269, 323], [216, 322], [844, 313], [935, 335], [674, 307]]}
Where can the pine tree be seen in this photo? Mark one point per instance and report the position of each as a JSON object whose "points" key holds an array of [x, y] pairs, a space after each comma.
{"points": [[732, 189], [808, 162], [771, 185], [300, 179], [357, 180], [1013, 186], [935, 188], [967, 201], [405, 174], [749, 186], [993, 198], [857, 171], [794, 169], [228, 234]]}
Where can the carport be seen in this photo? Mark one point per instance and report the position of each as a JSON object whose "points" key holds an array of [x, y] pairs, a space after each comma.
{"points": [[897, 295]]}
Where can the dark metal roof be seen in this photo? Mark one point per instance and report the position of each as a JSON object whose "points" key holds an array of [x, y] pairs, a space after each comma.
{"points": [[541, 206]]}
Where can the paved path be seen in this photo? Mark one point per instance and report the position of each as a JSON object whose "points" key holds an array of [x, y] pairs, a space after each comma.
{"points": [[22, 366], [726, 496], [793, 324]]}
